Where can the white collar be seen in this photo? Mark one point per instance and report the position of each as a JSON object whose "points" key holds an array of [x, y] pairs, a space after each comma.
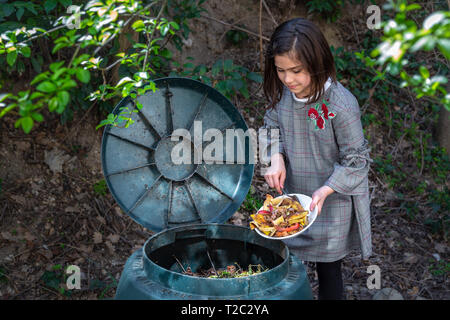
{"points": [[326, 86]]}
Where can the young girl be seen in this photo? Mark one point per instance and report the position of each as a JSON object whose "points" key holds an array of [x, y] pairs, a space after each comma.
{"points": [[320, 150]]}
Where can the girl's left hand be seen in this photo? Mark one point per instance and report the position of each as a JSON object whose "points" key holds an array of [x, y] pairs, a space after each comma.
{"points": [[318, 198]]}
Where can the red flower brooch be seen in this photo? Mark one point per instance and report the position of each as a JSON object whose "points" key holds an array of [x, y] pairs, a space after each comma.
{"points": [[319, 113]]}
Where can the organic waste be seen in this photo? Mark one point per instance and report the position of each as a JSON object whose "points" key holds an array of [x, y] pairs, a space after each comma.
{"points": [[280, 217]]}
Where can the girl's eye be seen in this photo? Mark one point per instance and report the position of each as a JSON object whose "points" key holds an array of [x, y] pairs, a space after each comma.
{"points": [[294, 71]]}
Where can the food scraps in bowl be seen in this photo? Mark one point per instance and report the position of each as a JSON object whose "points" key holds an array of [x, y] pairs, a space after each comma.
{"points": [[279, 217]]}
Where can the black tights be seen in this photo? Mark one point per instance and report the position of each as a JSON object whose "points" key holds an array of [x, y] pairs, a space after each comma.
{"points": [[331, 286]]}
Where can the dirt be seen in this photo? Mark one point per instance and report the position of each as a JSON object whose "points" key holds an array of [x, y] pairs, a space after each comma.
{"points": [[51, 216]]}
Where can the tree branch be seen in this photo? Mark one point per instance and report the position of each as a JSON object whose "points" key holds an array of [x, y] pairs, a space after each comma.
{"points": [[150, 37], [124, 25], [235, 27]]}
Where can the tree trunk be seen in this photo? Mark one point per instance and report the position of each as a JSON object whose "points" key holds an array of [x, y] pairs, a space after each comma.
{"points": [[125, 45]]}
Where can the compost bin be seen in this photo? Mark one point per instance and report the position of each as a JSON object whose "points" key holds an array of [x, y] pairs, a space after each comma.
{"points": [[187, 202]]}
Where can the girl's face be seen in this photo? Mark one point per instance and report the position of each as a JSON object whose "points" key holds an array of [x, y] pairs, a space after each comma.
{"points": [[293, 74]]}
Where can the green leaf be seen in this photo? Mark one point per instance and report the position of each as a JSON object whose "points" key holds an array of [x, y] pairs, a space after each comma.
{"points": [[102, 123], [59, 46], [39, 78], [11, 57], [30, 7], [83, 75], [64, 98], [56, 65], [3, 96], [19, 13], [255, 77], [7, 109], [8, 9], [49, 5], [244, 92], [433, 19], [228, 65], [53, 104], [188, 65], [65, 3], [37, 116], [68, 84], [166, 53], [25, 51], [27, 124], [142, 75], [138, 25], [46, 87], [174, 25], [413, 6], [36, 94], [58, 73], [124, 80], [420, 43], [444, 47], [424, 72], [164, 29]]}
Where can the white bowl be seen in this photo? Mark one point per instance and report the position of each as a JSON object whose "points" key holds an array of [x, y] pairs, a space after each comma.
{"points": [[305, 201]]}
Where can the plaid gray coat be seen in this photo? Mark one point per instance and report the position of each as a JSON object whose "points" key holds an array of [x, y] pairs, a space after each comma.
{"points": [[336, 156]]}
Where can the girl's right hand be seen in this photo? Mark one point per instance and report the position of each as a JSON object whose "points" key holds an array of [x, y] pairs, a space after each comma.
{"points": [[276, 173]]}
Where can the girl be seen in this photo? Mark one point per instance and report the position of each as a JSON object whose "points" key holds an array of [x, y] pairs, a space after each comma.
{"points": [[320, 150]]}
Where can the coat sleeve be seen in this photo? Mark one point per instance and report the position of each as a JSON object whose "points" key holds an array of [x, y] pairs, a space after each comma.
{"points": [[350, 172], [270, 137]]}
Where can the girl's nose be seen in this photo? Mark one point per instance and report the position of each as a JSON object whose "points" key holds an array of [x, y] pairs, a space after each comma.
{"points": [[287, 78]]}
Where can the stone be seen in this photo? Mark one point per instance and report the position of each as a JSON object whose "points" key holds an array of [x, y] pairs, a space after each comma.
{"points": [[55, 159], [436, 256], [387, 294]]}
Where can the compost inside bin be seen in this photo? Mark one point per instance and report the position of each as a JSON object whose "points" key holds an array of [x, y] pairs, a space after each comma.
{"points": [[199, 256]]}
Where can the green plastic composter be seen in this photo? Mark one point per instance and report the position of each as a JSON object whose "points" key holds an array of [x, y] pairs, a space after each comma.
{"points": [[165, 172]]}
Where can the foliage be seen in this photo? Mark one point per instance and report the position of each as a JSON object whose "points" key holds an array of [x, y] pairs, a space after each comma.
{"points": [[419, 176], [86, 47], [439, 268], [403, 36], [236, 36], [251, 203], [96, 284], [100, 188], [56, 279], [224, 75], [439, 205], [328, 9]]}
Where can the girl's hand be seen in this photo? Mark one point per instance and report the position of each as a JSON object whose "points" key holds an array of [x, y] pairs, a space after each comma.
{"points": [[318, 198], [276, 173]]}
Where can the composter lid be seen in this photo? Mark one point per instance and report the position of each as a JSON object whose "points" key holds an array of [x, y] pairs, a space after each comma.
{"points": [[164, 169]]}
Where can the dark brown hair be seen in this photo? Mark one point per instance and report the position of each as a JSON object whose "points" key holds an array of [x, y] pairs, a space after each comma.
{"points": [[307, 44]]}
